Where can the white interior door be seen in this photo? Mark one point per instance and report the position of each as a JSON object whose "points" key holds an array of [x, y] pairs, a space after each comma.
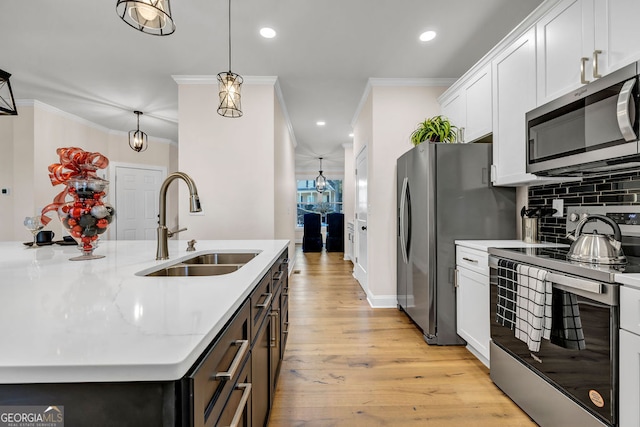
{"points": [[136, 201], [360, 270]]}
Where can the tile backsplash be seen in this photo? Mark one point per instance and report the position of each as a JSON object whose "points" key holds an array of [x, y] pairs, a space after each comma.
{"points": [[615, 189]]}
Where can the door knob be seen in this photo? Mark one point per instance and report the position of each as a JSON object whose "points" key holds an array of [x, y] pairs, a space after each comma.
{"points": [[364, 227]]}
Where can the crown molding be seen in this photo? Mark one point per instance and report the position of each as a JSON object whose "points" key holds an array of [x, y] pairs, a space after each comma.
{"points": [[436, 82]]}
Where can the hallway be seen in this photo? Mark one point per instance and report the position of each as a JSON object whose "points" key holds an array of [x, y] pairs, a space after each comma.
{"points": [[349, 365]]}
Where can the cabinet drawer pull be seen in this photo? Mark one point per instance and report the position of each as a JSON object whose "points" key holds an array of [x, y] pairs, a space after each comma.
{"points": [[583, 62], [475, 261], [244, 346], [278, 275], [596, 75], [243, 402], [267, 301], [274, 336]]}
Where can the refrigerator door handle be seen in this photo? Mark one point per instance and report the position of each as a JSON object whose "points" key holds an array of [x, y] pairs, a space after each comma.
{"points": [[403, 199]]}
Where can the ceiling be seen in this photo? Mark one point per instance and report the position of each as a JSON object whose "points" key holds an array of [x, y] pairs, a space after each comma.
{"points": [[78, 56]]}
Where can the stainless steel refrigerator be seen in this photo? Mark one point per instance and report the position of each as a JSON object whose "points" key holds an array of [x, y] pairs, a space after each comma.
{"points": [[444, 194]]}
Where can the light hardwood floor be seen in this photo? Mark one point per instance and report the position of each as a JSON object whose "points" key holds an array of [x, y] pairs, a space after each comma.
{"points": [[347, 364]]}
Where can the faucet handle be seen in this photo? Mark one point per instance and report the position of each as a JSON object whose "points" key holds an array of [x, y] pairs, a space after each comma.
{"points": [[171, 233], [191, 245]]}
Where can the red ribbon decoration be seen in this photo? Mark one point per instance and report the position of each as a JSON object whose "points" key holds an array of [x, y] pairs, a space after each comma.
{"points": [[74, 163]]}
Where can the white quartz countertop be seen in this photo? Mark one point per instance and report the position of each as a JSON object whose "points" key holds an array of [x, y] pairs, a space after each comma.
{"points": [[628, 279], [94, 321], [484, 245]]}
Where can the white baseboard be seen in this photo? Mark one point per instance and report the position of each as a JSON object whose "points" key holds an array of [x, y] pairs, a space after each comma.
{"points": [[382, 301]]}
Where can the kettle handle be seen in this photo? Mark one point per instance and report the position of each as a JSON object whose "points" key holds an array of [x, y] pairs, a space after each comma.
{"points": [[617, 234]]}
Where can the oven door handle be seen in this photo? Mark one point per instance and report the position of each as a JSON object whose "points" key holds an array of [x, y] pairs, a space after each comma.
{"points": [[575, 282]]}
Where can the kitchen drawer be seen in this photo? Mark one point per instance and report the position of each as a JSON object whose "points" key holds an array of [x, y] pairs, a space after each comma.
{"points": [[214, 378], [238, 408], [630, 309], [473, 259], [260, 303]]}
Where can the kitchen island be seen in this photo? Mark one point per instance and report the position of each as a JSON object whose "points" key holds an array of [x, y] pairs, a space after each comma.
{"points": [[102, 321]]}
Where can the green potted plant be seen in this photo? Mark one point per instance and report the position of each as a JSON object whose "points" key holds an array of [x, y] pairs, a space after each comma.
{"points": [[434, 129]]}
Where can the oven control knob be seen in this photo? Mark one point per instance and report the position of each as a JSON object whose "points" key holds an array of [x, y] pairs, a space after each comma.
{"points": [[574, 217]]}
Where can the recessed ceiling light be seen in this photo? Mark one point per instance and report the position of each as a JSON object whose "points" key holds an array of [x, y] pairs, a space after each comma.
{"points": [[427, 36], [351, 135], [267, 33], [321, 123]]}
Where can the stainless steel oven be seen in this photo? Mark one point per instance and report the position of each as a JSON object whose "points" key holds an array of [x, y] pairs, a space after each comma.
{"points": [[590, 130], [572, 378]]}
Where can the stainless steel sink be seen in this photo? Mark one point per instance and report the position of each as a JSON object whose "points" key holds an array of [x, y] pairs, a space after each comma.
{"points": [[221, 258], [182, 270], [209, 264]]}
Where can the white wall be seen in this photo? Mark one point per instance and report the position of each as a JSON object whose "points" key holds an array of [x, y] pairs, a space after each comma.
{"points": [[242, 166], [284, 181], [395, 110], [348, 191], [31, 139]]}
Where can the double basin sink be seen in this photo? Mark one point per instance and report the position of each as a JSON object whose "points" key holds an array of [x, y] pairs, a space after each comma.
{"points": [[208, 264]]}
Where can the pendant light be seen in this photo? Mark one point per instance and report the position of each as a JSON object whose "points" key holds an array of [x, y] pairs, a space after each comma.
{"points": [[229, 87], [7, 103], [148, 16], [321, 181], [137, 138]]}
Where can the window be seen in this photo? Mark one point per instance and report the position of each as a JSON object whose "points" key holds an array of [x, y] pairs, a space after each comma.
{"points": [[310, 201]]}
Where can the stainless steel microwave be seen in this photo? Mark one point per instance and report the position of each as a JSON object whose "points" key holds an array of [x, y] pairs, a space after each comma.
{"points": [[591, 130]]}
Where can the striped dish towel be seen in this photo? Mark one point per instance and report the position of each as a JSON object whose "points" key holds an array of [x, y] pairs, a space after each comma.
{"points": [[507, 293], [533, 306]]}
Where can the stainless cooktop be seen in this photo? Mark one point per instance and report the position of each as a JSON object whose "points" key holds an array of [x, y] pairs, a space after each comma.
{"points": [[627, 217]]}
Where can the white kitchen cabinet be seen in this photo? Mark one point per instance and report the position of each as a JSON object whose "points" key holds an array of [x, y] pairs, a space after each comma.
{"points": [[470, 107], [629, 357], [514, 93], [616, 33], [472, 300], [581, 40], [453, 108]]}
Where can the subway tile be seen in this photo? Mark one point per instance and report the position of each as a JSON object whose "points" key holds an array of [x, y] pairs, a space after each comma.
{"points": [[618, 198], [582, 189]]}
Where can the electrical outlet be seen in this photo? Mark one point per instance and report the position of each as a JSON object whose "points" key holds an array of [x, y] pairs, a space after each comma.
{"points": [[558, 205]]}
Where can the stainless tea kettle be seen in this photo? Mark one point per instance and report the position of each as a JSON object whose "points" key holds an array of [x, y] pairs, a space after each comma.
{"points": [[596, 248]]}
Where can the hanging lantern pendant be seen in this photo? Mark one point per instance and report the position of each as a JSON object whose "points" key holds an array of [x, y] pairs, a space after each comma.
{"points": [[138, 139], [229, 92], [229, 87], [149, 16], [321, 181]]}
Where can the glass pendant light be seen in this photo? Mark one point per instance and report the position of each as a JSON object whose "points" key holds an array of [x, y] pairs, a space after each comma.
{"points": [[321, 181], [229, 87], [148, 16], [137, 138], [7, 103]]}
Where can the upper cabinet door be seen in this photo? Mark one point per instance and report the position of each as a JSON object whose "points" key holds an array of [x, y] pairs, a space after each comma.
{"points": [[617, 34], [565, 46], [454, 109], [478, 105], [469, 108], [514, 93]]}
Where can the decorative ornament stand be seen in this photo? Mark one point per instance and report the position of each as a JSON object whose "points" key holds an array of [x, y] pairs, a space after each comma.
{"points": [[87, 216]]}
